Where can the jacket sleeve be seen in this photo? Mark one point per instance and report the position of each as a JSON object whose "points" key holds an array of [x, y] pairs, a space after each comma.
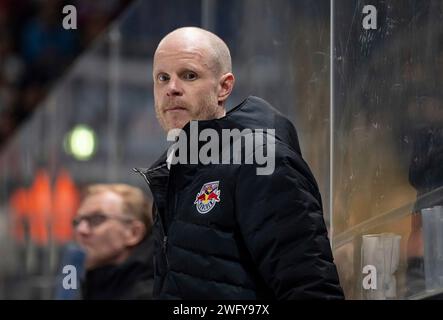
{"points": [[281, 221]]}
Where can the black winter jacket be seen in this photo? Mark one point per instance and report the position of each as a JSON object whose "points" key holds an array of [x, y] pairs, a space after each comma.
{"points": [[265, 237], [130, 280]]}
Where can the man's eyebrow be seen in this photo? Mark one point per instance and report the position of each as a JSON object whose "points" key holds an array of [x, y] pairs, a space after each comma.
{"points": [[183, 69], [157, 71], [188, 68], [90, 213]]}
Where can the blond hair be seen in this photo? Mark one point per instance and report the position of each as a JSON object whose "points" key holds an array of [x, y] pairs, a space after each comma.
{"points": [[135, 203]]}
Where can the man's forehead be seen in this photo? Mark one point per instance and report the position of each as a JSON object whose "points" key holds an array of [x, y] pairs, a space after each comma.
{"points": [[183, 53], [189, 56], [103, 201]]}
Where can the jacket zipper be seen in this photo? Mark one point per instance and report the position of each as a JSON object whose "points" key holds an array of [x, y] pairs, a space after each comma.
{"points": [[144, 173], [165, 247]]}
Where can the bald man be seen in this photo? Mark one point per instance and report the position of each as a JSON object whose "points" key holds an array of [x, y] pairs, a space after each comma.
{"points": [[192, 77], [221, 230]]}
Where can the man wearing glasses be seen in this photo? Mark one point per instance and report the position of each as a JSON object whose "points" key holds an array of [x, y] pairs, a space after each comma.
{"points": [[113, 225]]}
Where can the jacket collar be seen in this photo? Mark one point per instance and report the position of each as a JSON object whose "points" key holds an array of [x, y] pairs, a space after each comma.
{"points": [[252, 113]]}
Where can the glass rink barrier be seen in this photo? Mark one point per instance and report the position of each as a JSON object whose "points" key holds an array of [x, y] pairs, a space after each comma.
{"points": [[387, 143], [360, 81], [98, 122]]}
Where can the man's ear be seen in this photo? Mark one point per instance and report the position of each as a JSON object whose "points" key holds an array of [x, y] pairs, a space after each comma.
{"points": [[226, 84], [135, 232]]}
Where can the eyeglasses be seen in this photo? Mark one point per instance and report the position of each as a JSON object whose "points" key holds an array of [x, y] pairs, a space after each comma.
{"points": [[96, 219]]}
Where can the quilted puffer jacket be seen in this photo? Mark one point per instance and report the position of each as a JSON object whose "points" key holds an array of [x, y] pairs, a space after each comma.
{"points": [[223, 232]]}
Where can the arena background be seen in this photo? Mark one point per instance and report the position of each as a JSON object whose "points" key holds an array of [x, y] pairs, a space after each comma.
{"points": [[76, 107]]}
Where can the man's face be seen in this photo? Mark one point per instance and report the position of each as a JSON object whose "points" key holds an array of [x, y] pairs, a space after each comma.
{"points": [[102, 229], [186, 85]]}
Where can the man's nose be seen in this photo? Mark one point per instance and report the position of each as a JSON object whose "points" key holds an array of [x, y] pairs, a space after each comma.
{"points": [[83, 227], [174, 87]]}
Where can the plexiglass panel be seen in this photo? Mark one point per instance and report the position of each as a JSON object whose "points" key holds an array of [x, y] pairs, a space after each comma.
{"points": [[388, 145]]}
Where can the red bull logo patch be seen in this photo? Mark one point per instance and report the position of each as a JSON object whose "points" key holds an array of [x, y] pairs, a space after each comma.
{"points": [[208, 196]]}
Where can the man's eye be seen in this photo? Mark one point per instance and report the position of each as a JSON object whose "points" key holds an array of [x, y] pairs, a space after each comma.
{"points": [[190, 76], [162, 77], [97, 219]]}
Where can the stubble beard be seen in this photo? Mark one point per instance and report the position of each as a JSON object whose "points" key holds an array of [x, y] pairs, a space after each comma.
{"points": [[211, 110]]}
